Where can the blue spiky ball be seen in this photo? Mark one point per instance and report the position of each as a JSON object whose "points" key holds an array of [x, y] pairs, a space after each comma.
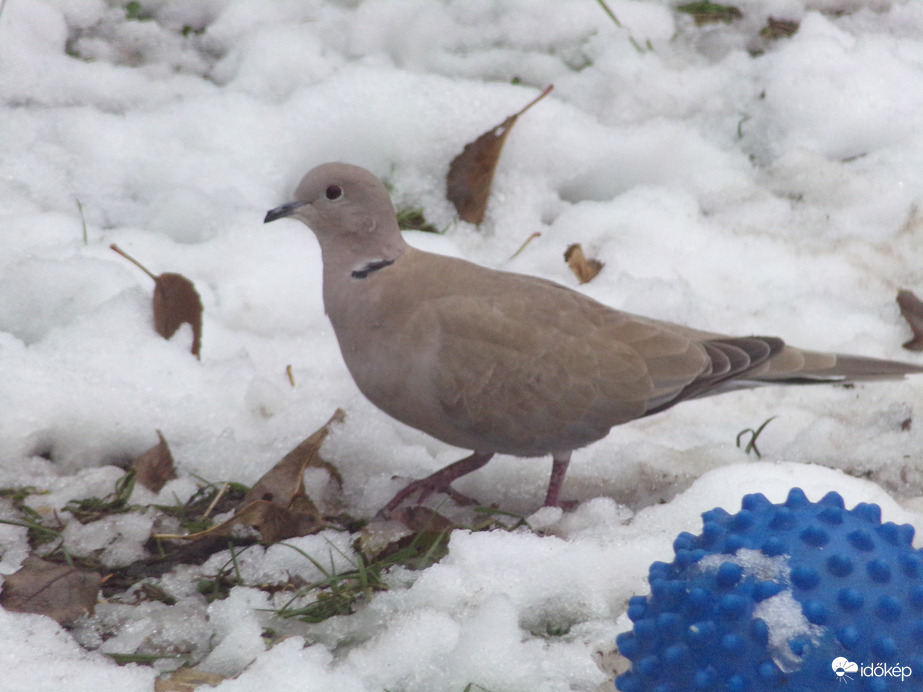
{"points": [[797, 596]]}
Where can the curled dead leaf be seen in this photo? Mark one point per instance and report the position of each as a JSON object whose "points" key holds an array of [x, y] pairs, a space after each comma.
{"points": [[176, 302], [155, 467], [273, 521], [285, 481], [277, 505], [276, 523], [58, 591], [471, 173], [584, 269]]}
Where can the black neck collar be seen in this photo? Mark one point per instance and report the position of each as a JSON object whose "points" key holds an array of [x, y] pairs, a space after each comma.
{"points": [[371, 267]]}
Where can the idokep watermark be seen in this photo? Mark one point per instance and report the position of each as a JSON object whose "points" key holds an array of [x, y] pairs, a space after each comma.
{"points": [[845, 669]]}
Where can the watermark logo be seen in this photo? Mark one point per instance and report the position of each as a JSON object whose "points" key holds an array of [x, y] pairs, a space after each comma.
{"points": [[844, 669]]}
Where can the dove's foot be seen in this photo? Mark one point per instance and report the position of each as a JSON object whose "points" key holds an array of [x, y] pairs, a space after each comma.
{"points": [[439, 482]]}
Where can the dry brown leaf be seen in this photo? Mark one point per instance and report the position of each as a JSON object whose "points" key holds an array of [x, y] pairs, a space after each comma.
{"points": [[276, 523], [155, 467], [912, 311], [186, 680], [471, 173], [585, 269], [273, 521], [58, 591], [176, 302], [285, 481], [276, 505]]}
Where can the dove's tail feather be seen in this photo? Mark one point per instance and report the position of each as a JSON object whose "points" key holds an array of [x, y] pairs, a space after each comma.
{"points": [[771, 362], [757, 361], [831, 367]]}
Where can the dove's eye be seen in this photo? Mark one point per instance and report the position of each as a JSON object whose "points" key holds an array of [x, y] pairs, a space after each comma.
{"points": [[334, 192]]}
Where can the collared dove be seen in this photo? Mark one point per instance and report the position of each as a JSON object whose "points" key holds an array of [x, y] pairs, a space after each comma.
{"points": [[498, 362]]}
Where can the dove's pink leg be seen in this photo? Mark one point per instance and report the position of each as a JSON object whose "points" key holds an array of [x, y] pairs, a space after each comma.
{"points": [[558, 471]]}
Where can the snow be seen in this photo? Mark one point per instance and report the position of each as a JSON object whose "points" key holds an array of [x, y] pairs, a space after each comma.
{"points": [[775, 191], [783, 616]]}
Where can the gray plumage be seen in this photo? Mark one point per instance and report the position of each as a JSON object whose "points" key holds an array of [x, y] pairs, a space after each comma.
{"points": [[498, 362]]}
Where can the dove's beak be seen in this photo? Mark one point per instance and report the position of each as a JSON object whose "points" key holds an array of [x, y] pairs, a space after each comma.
{"points": [[283, 211]]}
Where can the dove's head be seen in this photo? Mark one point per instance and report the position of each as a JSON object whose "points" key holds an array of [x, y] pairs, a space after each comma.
{"points": [[349, 211]]}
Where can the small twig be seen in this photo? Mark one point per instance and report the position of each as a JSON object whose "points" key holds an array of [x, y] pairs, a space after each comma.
{"points": [[538, 98], [131, 259], [615, 20], [523, 246], [221, 491], [751, 445], [83, 220], [236, 565], [740, 126], [291, 375], [607, 10]]}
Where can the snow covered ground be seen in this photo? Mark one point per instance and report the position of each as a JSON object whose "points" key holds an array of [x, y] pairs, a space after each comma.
{"points": [[727, 180]]}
